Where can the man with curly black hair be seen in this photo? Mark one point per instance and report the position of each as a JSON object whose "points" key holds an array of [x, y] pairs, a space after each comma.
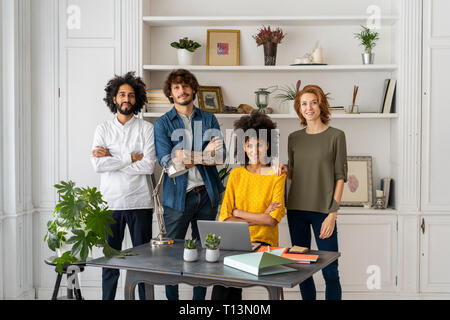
{"points": [[124, 155]]}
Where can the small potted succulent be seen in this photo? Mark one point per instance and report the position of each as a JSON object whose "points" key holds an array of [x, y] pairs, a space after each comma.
{"points": [[269, 39], [185, 50], [212, 247], [190, 250], [288, 95], [368, 40]]}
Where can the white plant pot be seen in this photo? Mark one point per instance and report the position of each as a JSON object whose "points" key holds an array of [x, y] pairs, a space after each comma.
{"points": [[212, 255], [190, 255], [185, 57], [291, 110]]}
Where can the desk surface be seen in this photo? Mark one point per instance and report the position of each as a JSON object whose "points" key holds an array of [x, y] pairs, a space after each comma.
{"points": [[168, 260]]}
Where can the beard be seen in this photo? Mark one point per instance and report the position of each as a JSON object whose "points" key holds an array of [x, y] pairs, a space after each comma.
{"points": [[185, 102], [125, 112]]}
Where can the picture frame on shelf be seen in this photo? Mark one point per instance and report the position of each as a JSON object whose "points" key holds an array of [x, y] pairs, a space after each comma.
{"points": [[358, 188], [210, 99], [222, 47]]}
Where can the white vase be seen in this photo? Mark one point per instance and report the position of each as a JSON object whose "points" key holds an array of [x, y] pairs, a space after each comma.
{"points": [[291, 110], [185, 57], [212, 255], [190, 255]]}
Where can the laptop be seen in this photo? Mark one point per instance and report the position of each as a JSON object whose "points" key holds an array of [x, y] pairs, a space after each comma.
{"points": [[234, 235]]}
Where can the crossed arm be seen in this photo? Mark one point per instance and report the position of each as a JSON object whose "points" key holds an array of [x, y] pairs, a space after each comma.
{"points": [[131, 163]]}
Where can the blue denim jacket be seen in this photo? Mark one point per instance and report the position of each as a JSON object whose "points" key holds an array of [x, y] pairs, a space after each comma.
{"points": [[174, 189]]}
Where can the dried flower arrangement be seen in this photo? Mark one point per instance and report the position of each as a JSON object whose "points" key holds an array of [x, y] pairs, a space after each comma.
{"points": [[265, 35]]}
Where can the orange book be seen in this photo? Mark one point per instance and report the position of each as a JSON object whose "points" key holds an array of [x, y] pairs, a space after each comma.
{"points": [[302, 258], [267, 249]]}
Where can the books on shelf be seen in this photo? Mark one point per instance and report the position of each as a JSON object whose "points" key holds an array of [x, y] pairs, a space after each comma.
{"points": [[259, 263], [388, 95], [386, 187], [157, 101], [337, 109]]}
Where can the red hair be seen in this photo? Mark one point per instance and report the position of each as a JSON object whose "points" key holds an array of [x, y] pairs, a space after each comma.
{"points": [[322, 99]]}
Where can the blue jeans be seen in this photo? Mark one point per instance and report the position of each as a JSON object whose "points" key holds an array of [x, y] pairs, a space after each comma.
{"points": [[197, 207], [140, 226], [300, 223]]}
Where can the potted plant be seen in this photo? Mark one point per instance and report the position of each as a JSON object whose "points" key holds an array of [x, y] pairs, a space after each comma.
{"points": [[212, 247], [368, 40], [190, 252], [185, 50], [269, 39], [80, 222], [288, 95]]}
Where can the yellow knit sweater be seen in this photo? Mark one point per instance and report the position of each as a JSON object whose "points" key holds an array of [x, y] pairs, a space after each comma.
{"points": [[253, 193]]}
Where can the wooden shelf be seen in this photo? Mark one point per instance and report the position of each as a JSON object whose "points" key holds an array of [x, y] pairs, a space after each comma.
{"points": [[292, 116], [173, 21], [281, 68]]}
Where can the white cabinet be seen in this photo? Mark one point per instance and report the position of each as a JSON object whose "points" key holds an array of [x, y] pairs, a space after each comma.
{"points": [[435, 254], [435, 108]]}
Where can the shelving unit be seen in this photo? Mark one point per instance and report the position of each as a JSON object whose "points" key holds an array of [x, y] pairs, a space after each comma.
{"points": [[292, 116], [238, 83], [279, 68], [170, 21]]}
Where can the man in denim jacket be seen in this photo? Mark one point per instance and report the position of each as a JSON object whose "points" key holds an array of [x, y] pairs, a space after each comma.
{"points": [[190, 136]]}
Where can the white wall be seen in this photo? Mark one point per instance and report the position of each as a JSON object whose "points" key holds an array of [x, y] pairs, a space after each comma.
{"points": [[1, 149]]}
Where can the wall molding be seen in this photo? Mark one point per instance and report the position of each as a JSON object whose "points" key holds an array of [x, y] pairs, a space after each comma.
{"points": [[409, 97], [131, 34]]}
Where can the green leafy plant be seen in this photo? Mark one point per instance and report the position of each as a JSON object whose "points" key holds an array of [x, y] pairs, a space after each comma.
{"points": [[83, 213], [266, 34], [289, 92], [368, 38], [190, 244], [187, 44], [212, 241], [224, 172]]}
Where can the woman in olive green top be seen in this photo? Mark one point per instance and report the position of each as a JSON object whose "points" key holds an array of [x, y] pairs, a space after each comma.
{"points": [[317, 169]]}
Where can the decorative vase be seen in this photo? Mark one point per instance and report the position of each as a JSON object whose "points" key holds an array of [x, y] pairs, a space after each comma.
{"points": [[368, 58], [185, 57], [212, 255], [190, 255], [291, 109], [270, 53]]}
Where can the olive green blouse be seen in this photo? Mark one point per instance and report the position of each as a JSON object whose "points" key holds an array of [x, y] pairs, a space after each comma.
{"points": [[316, 162]]}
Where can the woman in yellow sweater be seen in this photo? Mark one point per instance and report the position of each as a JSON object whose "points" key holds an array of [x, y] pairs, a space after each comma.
{"points": [[254, 193]]}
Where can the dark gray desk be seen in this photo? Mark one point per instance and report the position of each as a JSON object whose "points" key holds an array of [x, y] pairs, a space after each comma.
{"points": [[165, 266]]}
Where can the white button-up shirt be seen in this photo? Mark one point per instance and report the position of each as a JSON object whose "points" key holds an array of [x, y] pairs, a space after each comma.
{"points": [[125, 185]]}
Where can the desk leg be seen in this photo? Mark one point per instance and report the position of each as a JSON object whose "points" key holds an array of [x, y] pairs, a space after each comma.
{"points": [[131, 281], [149, 292], [274, 293], [130, 285]]}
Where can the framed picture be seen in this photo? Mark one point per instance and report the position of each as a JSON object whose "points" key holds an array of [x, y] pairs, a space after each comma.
{"points": [[222, 48], [210, 99], [358, 188]]}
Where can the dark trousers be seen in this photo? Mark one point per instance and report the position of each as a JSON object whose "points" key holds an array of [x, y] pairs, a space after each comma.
{"points": [[140, 226], [300, 223], [230, 293], [197, 207]]}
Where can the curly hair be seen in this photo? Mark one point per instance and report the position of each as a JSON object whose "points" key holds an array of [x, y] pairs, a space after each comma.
{"points": [[258, 125], [180, 76], [112, 88], [322, 99]]}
